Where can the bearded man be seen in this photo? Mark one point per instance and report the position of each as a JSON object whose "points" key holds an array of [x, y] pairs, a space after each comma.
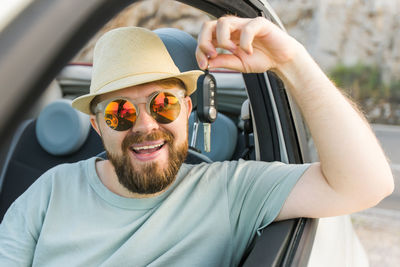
{"points": [[143, 207]]}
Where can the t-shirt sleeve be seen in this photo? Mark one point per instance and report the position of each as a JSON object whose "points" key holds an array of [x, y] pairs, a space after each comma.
{"points": [[256, 193], [21, 225]]}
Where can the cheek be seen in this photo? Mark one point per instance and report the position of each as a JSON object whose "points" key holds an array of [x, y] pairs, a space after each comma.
{"points": [[111, 144], [112, 139], [178, 129]]}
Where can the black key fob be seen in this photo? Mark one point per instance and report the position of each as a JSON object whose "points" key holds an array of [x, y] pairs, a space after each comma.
{"points": [[207, 98]]}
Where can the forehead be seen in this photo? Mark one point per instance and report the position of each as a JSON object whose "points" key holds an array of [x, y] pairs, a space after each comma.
{"points": [[137, 91]]}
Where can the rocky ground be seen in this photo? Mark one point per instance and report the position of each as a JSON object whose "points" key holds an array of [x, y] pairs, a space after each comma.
{"points": [[379, 232], [379, 228]]}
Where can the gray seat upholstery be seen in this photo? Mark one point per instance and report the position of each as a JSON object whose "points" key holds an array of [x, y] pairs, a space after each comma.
{"points": [[60, 129], [65, 137], [224, 137]]}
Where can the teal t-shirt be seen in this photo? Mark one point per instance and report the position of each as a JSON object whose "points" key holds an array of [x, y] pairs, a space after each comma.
{"points": [[207, 217]]}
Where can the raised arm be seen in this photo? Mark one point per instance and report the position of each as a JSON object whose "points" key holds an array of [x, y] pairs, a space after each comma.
{"points": [[353, 173]]}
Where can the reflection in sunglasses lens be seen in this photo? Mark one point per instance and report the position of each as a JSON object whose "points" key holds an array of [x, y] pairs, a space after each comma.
{"points": [[165, 107], [120, 115]]}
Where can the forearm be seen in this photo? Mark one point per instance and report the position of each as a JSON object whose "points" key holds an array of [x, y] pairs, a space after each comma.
{"points": [[352, 160], [354, 173]]}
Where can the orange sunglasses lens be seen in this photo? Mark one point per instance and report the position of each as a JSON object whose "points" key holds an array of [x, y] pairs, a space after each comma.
{"points": [[120, 115], [165, 107]]}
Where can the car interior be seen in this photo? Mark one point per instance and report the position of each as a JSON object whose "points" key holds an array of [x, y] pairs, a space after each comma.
{"points": [[61, 134], [248, 105]]}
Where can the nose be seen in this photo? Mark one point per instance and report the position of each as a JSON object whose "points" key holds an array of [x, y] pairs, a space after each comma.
{"points": [[144, 122]]}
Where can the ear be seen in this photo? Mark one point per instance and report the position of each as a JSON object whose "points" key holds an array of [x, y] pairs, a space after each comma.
{"points": [[95, 125], [188, 102]]}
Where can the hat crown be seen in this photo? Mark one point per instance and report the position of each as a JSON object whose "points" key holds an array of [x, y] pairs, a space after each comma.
{"points": [[131, 56], [129, 51]]}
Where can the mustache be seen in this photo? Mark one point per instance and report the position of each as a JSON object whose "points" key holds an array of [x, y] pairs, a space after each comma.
{"points": [[135, 138]]}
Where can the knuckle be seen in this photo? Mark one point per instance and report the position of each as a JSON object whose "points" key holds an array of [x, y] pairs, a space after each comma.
{"points": [[264, 21], [207, 24], [221, 19], [206, 27], [247, 32], [202, 47], [260, 19], [247, 28]]}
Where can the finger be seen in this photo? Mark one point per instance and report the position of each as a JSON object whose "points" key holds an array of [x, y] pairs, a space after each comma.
{"points": [[226, 61], [223, 30], [255, 27], [205, 39], [201, 58]]}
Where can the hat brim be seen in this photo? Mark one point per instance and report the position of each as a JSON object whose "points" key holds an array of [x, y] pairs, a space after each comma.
{"points": [[189, 78]]}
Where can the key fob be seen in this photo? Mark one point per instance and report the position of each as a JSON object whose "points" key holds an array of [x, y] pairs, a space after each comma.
{"points": [[207, 98]]}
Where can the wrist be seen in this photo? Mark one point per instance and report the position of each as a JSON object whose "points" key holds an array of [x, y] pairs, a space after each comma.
{"points": [[301, 71]]}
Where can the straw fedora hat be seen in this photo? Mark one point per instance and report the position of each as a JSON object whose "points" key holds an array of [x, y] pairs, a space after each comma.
{"points": [[130, 56]]}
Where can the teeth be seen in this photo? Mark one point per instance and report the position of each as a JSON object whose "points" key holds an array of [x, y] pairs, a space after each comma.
{"points": [[147, 147]]}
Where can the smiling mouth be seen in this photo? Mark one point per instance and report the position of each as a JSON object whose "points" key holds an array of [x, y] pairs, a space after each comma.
{"points": [[147, 149]]}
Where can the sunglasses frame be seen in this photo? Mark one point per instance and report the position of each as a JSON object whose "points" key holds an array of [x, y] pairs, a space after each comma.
{"points": [[179, 94]]}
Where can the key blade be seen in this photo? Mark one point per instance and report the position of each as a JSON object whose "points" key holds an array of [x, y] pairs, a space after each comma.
{"points": [[207, 137], [194, 133]]}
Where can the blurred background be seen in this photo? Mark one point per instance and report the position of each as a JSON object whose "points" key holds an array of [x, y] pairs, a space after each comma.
{"points": [[356, 42]]}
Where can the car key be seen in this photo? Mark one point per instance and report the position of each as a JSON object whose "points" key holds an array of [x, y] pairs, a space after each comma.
{"points": [[194, 133], [206, 105], [207, 136]]}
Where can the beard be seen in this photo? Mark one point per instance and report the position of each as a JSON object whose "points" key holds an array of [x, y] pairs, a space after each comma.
{"points": [[148, 178]]}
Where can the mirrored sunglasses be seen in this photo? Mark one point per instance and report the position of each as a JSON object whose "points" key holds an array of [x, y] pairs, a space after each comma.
{"points": [[120, 113]]}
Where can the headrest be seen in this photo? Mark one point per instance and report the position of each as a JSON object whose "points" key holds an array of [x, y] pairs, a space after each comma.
{"points": [[182, 48], [60, 129]]}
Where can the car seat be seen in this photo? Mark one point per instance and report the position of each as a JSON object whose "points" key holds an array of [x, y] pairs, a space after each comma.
{"points": [[59, 135], [224, 135], [182, 47]]}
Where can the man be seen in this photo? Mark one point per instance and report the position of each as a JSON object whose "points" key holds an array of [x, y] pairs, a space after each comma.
{"points": [[143, 206]]}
